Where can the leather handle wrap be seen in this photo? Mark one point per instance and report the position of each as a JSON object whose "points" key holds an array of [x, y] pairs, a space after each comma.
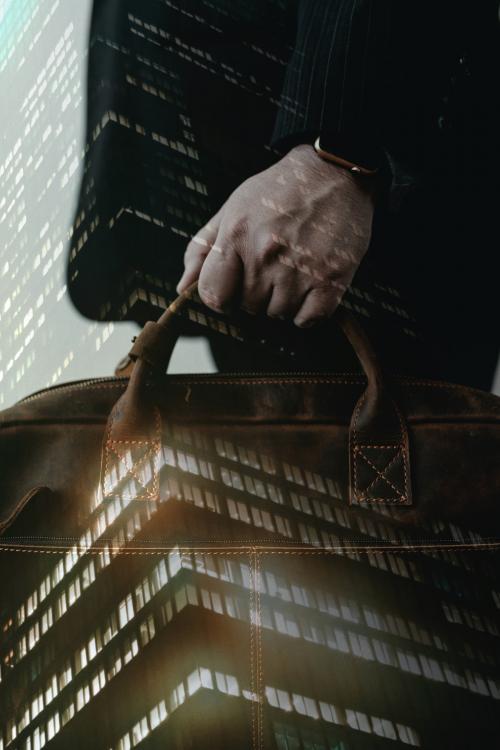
{"points": [[379, 452]]}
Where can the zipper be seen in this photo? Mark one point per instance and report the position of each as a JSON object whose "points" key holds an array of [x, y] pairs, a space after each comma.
{"points": [[58, 544], [75, 384], [193, 377], [376, 542]]}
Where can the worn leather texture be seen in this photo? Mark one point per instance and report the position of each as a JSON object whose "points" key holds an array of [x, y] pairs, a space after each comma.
{"points": [[377, 494], [55, 439]]}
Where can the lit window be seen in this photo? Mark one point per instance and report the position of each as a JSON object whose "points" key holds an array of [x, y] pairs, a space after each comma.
{"points": [[53, 725], [383, 728], [408, 735], [431, 668], [131, 649], [358, 720], [331, 713], [82, 696], [125, 611]]}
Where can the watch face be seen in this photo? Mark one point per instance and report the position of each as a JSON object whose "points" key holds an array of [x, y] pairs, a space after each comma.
{"points": [[358, 152]]}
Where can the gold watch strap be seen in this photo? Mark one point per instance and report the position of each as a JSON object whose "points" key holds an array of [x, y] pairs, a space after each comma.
{"points": [[354, 168]]}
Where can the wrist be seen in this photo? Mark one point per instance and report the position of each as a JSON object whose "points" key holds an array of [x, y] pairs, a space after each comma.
{"points": [[304, 153], [358, 166], [360, 155]]}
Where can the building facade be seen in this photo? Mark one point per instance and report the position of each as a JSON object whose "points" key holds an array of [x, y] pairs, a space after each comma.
{"points": [[248, 606], [42, 70]]}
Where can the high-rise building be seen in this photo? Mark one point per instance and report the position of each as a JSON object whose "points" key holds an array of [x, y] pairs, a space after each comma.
{"points": [[248, 606], [42, 67]]}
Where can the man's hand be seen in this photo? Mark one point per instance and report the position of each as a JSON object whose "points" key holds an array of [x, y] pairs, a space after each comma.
{"points": [[287, 241]]}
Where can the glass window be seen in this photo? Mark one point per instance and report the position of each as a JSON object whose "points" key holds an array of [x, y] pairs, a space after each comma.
{"points": [[80, 659], [408, 661], [88, 574], [383, 728], [125, 611], [349, 609], [130, 649], [431, 668], [174, 562], [360, 646], [82, 696], [216, 602], [147, 630], [299, 704], [311, 708], [194, 682], [408, 735], [384, 653]]}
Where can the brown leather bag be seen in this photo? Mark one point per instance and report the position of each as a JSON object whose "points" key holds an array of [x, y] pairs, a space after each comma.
{"points": [[282, 561]]}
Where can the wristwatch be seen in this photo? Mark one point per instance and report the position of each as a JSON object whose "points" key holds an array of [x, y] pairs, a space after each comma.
{"points": [[358, 158]]}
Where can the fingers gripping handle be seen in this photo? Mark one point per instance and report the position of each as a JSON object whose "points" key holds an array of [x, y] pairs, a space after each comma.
{"points": [[155, 343], [379, 452]]}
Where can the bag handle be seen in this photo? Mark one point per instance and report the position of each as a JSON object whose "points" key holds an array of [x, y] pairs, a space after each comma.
{"points": [[155, 343], [379, 462]]}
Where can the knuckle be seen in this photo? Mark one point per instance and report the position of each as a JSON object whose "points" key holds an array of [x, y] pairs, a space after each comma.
{"points": [[271, 238], [236, 229], [225, 245], [269, 246], [210, 298]]}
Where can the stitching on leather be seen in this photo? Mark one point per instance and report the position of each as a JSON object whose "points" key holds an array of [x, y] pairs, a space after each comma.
{"points": [[260, 540], [401, 381], [400, 497], [382, 447], [260, 683], [136, 464], [20, 505], [386, 500], [355, 452], [406, 452], [106, 455], [153, 450], [252, 649], [355, 381], [382, 472], [132, 442], [352, 452], [256, 661], [208, 550]]}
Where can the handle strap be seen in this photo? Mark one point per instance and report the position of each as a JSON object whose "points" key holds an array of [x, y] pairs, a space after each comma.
{"points": [[379, 453], [155, 343]]}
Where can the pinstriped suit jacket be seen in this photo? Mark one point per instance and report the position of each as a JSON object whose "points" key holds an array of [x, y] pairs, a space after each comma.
{"points": [[415, 78]]}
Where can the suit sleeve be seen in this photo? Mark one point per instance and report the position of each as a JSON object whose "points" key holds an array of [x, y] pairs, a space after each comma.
{"points": [[373, 72]]}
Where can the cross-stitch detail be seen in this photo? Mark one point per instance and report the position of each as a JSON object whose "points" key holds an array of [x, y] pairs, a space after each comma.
{"points": [[137, 459], [376, 481]]}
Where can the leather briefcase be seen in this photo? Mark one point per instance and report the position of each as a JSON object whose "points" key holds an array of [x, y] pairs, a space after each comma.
{"points": [[237, 561]]}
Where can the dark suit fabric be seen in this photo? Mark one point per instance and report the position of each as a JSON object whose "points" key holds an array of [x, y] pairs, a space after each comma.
{"points": [[414, 78], [418, 80]]}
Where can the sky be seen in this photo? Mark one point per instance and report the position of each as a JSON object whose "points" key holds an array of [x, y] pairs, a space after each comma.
{"points": [[43, 340]]}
